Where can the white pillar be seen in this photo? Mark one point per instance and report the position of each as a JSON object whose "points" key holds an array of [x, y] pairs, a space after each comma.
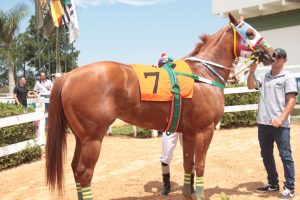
{"points": [[154, 133], [218, 125], [109, 131], [134, 130], [40, 108]]}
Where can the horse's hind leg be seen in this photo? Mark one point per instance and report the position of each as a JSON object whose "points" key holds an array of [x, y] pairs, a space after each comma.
{"points": [[90, 150], [74, 165]]}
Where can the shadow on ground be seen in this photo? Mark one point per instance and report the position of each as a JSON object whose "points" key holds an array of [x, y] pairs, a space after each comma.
{"points": [[245, 190]]}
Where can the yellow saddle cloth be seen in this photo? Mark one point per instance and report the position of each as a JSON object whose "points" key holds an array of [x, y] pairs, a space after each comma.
{"points": [[155, 84]]}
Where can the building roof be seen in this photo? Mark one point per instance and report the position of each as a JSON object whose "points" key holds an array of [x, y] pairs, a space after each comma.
{"points": [[252, 8]]}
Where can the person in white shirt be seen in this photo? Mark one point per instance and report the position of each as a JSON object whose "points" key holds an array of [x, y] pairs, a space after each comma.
{"points": [[43, 86]]}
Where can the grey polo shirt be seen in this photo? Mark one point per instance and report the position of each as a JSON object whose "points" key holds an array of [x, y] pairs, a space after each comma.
{"points": [[273, 90]]}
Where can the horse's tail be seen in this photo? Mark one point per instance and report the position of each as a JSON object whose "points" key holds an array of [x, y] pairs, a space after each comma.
{"points": [[56, 138]]}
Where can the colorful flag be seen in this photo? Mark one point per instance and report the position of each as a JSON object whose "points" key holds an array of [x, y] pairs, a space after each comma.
{"points": [[44, 20], [70, 20], [39, 14], [56, 11]]}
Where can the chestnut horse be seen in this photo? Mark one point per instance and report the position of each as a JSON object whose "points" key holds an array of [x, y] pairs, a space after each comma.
{"points": [[90, 98]]}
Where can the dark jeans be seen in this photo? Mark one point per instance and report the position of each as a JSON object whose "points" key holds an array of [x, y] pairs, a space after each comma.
{"points": [[266, 136]]}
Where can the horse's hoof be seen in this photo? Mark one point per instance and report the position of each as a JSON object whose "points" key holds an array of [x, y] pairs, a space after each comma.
{"points": [[189, 198], [194, 196], [165, 191]]}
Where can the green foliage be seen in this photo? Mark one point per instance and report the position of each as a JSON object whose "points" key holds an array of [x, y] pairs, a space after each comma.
{"points": [[7, 110], [123, 130], [30, 52], [17, 133], [40, 53], [127, 130], [224, 196], [240, 119], [144, 133], [28, 155]]}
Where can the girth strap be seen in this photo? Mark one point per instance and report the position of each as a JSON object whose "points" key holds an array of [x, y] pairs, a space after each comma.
{"points": [[176, 100]]}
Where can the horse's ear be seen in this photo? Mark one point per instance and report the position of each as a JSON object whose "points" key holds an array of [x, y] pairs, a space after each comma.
{"points": [[233, 20]]}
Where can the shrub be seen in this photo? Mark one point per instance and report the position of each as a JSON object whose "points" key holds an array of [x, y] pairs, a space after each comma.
{"points": [[144, 133], [17, 133], [239, 119], [27, 155]]}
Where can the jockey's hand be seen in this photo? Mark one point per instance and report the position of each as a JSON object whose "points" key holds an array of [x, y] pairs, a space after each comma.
{"points": [[252, 68], [277, 122]]}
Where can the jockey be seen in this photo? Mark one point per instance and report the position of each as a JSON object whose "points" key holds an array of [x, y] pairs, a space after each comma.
{"points": [[169, 142], [164, 58]]}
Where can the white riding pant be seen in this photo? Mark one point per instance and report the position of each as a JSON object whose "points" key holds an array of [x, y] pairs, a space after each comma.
{"points": [[169, 143]]}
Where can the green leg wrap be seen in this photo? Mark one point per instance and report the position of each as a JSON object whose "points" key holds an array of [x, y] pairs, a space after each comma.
{"points": [[186, 189], [199, 187], [87, 193], [79, 191]]}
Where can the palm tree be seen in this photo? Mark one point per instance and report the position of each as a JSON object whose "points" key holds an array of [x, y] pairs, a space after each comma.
{"points": [[9, 25]]}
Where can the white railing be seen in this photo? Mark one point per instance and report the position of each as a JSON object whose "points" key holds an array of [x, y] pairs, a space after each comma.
{"points": [[238, 108], [38, 116]]}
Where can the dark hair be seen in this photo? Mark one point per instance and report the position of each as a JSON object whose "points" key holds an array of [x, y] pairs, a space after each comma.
{"points": [[42, 72], [20, 77]]}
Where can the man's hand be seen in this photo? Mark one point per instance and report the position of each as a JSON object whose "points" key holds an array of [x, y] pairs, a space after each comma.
{"points": [[252, 68], [277, 122]]}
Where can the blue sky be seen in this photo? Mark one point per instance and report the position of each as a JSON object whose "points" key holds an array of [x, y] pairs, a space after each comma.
{"points": [[137, 31]]}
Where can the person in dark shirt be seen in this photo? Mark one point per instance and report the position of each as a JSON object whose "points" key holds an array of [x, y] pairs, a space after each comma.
{"points": [[21, 93]]}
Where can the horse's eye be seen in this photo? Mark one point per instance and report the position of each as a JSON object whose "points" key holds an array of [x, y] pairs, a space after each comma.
{"points": [[250, 34]]}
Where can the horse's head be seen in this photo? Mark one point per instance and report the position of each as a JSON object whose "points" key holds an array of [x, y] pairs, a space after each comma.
{"points": [[250, 42]]}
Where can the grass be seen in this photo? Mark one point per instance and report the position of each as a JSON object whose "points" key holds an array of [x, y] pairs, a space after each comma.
{"points": [[122, 130]]}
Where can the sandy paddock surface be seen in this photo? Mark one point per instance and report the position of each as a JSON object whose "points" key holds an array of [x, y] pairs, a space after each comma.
{"points": [[129, 169]]}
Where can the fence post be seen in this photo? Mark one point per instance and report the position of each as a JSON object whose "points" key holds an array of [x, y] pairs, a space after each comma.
{"points": [[109, 131], [134, 131], [40, 107], [154, 133], [218, 125]]}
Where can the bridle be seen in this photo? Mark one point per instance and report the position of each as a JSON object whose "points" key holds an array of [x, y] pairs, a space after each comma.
{"points": [[249, 45]]}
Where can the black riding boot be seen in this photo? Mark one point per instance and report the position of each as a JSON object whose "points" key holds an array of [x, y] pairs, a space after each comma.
{"points": [[166, 179]]}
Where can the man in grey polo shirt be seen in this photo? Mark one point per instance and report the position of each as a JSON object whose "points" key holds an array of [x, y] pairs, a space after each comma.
{"points": [[278, 92]]}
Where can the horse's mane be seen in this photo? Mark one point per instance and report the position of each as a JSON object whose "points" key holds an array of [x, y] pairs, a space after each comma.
{"points": [[203, 39]]}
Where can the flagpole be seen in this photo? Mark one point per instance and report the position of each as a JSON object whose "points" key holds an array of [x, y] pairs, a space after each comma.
{"points": [[58, 67]]}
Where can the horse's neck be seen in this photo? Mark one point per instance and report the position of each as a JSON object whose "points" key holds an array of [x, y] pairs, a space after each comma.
{"points": [[220, 56]]}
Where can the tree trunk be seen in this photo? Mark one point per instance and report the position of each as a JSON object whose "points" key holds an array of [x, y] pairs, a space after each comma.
{"points": [[11, 79]]}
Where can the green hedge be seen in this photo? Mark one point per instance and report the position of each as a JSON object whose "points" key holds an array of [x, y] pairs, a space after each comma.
{"points": [[17, 133], [239, 119], [27, 155], [127, 130]]}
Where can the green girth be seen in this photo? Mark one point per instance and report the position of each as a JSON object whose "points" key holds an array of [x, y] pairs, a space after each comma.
{"points": [[175, 89]]}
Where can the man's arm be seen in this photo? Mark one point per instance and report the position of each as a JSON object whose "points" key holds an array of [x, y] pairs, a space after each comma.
{"points": [[251, 84], [291, 102], [16, 98]]}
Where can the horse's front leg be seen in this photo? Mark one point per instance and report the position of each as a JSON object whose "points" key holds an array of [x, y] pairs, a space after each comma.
{"points": [[188, 141], [202, 142]]}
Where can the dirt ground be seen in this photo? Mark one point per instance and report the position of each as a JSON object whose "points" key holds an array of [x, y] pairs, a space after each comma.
{"points": [[129, 169]]}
